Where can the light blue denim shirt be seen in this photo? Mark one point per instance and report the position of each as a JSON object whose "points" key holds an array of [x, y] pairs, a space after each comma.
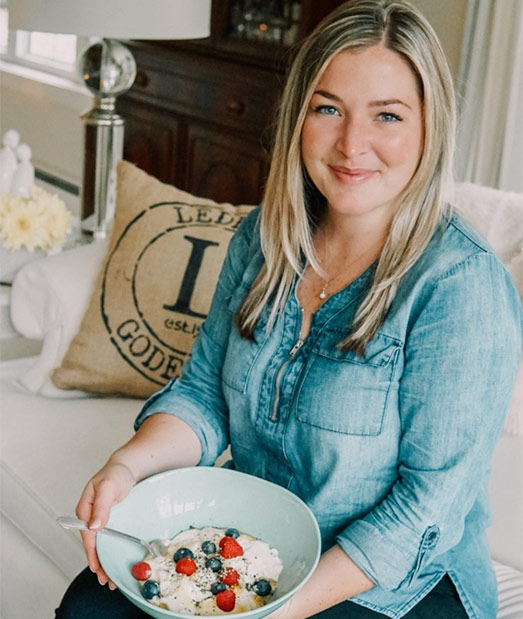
{"points": [[390, 451]]}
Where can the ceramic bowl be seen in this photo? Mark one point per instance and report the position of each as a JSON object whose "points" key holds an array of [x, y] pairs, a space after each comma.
{"points": [[165, 504]]}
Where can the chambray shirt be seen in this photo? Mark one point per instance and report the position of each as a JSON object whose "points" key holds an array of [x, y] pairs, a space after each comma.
{"points": [[390, 451]]}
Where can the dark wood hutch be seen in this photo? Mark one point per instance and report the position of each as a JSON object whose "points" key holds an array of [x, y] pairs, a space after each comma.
{"points": [[200, 113]]}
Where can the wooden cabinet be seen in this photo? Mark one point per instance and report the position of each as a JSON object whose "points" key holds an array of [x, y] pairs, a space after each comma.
{"points": [[200, 113], [224, 166], [151, 140]]}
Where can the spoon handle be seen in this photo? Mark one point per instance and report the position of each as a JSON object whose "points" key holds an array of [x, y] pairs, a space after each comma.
{"points": [[70, 522]]}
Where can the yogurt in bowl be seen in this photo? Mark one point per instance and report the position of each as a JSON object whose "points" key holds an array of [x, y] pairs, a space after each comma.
{"points": [[210, 571]]}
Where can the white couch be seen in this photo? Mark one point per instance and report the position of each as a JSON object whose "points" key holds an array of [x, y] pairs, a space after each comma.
{"points": [[51, 441]]}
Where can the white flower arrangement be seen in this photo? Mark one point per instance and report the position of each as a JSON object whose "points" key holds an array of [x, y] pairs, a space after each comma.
{"points": [[40, 221]]}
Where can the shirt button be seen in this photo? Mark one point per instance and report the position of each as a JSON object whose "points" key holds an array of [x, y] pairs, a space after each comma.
{"points": [[431, 537]]}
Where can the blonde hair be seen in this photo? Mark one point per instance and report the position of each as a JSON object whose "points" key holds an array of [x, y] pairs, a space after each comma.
{"points": [[292, 205]]}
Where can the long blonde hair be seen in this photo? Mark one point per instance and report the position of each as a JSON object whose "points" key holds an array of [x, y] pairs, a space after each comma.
{"points": [[292, 205]]}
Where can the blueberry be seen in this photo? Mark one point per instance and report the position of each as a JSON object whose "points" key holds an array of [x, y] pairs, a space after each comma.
{"points": [[183, 552], [208, 547], [232, 533], [150, 589], [262, 587], [214, 564], [216, 587]]}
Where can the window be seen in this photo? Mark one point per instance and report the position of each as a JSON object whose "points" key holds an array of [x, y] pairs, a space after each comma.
{"points": [[4, 32], [52, 53]]}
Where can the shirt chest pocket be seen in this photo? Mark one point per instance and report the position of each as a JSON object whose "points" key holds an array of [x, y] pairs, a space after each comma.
{"points": [[241, 353], [343, 392]]}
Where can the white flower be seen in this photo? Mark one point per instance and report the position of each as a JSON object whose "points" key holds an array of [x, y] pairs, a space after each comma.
{"points": [[40, 221], [22, 226]]}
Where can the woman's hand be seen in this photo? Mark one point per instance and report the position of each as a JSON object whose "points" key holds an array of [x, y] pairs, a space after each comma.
{"points": [[109, 486], [284, 612], [335, 579], [163, 442]]}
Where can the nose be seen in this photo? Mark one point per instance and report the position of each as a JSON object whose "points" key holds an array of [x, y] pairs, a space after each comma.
{"points": [[352, 139]]}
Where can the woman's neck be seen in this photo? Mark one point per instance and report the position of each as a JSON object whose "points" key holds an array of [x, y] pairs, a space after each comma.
{"points": [[342, 240]]}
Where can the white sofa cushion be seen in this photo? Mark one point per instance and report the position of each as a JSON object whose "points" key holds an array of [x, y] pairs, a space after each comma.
{"points": [[496, 214], [510, 592], [48, 451], [25, 568], [505, 536]]}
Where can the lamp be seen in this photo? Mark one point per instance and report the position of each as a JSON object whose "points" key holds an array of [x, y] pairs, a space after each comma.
{"points": [[108, 69]]}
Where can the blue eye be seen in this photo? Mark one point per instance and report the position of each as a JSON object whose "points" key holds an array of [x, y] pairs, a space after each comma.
{"points": [[326, 110], [388, 117]]}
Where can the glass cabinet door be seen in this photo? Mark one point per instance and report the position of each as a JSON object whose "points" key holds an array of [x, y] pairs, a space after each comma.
{"points": [[271, 21]]}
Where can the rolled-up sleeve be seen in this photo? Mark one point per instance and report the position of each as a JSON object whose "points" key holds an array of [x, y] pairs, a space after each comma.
{"points": [[196, 397], [461, 358]]}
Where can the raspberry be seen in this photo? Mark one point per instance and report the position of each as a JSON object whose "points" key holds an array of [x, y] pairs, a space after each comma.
{"points": [[225, 600], [230, 548], [186, 566], [141, 571], [230, 576]]}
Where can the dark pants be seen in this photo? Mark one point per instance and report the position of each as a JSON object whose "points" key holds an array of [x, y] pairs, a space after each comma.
{"points": [[86, 599]]}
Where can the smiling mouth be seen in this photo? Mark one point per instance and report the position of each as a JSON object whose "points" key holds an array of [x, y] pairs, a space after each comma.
{"points": [[352, 176]]}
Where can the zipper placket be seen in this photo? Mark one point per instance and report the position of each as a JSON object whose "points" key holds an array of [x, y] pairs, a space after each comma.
{"points": [[292, 353]]}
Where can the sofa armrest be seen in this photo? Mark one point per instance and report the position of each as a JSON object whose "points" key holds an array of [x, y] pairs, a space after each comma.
{"points": [[48, 300]]}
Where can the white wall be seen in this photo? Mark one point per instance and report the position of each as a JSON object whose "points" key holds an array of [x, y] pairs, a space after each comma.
{"points": [[46, 111], [448, 20]]}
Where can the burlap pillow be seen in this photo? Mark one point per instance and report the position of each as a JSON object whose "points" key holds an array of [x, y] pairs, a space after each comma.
{"points": [[154, 288]]}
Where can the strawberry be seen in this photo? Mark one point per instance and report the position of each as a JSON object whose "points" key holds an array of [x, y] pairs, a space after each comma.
{"points": [[230, 548], [186, 566], [230, 576], [225, 600]]}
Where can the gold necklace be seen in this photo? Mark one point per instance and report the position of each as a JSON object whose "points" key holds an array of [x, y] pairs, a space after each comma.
{"points": [[327, 281]]}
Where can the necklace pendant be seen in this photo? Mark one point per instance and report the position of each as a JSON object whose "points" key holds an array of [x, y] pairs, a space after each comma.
{"points": [[323, 294]]}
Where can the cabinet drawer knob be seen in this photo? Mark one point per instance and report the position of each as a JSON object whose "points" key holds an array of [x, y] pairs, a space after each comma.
{"points": [[235, 106], [142, 79]]}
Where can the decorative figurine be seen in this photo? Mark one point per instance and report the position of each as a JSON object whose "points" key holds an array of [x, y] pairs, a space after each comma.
{"points": [[8, 159], [24, 176]]}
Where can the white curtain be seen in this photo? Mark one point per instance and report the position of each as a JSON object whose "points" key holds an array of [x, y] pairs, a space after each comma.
{"points": [[490, 95]]}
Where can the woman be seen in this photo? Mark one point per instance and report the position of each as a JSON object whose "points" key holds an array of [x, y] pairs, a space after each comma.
{"points": [[362, 343]]}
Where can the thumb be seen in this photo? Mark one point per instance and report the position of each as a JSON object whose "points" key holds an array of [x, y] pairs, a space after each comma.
{"points": [[104, 499]]}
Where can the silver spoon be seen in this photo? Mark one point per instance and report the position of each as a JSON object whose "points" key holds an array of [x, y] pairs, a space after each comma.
{"points": [[156, 547]]}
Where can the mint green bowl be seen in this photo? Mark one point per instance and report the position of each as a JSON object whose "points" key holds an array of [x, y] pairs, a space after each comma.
{"points": [[165, 504]]}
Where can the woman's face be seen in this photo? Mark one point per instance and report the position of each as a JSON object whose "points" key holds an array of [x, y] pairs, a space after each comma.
{"points": [[362, 138]]}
